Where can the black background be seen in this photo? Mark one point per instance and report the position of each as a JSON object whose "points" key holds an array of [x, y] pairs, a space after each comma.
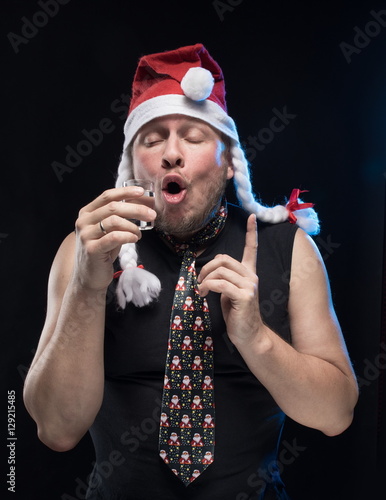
{"points": [[72, 73]]}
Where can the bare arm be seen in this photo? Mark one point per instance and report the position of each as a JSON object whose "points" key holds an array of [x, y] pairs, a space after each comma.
{"points": [[64, 387], [311, 380]]}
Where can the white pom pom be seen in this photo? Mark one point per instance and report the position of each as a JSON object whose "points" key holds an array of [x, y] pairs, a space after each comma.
{"points": [[197, 84]]}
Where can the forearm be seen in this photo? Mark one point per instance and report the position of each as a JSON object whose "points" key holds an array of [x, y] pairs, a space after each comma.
{"points": [[310, 390], [64, 387]]}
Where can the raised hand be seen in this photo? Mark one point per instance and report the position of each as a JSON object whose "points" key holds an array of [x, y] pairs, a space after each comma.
{"points": [[102, 228], [237, 283]]}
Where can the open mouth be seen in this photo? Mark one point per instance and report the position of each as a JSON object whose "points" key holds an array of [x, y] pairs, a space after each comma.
{"points": [[173, 189]]}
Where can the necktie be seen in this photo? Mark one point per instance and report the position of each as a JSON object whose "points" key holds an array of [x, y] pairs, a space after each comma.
{"points": [[186, 438]]}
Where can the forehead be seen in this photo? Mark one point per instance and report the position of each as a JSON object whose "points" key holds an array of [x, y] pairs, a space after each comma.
{"points": [[175, 122]]}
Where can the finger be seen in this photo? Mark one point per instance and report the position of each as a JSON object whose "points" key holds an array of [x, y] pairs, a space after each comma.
{"points": [[111, 224], [116, 232], [236, 294], [250, 249], [222, 261], [219, 286], [114, 194], [222, 276], [110, 242], [117, 208]]}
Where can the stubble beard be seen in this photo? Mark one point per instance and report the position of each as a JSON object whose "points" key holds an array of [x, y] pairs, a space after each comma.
{"points": [[189, 224]]}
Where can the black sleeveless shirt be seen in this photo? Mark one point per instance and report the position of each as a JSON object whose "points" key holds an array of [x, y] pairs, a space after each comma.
{"points": [[248, 421]]}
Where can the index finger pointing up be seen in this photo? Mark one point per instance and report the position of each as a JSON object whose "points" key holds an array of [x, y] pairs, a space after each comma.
{"points": [[250, 248]]}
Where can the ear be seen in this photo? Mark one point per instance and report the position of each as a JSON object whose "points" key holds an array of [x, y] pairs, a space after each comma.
{"points": [[228, 159]]}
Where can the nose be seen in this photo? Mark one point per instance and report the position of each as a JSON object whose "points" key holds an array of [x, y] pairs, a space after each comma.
{"points": [[172, 155]]}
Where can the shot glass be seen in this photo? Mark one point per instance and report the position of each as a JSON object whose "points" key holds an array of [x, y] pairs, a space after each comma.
{"points": [[146, 199]]}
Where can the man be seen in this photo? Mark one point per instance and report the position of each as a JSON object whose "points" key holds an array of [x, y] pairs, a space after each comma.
{"points": [[275, 343]]}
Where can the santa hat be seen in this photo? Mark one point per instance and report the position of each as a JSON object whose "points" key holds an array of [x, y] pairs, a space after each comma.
{"points": [[188, 81]]}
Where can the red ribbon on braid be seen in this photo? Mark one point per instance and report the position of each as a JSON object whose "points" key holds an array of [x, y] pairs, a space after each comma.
{"points": [[118, 273], [293, 204]]}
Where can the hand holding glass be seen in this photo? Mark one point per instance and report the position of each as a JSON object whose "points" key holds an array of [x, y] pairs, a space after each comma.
{"points": [[146, 199]]}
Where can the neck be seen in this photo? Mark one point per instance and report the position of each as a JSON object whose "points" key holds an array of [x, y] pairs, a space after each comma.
{"points": [[201, 237], [185, 234]]}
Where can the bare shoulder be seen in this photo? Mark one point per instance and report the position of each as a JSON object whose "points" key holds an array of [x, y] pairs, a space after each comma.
{"points": [[64, 260], [308, 269], [312, 316], [315, 328], [60, 275], [304, 244]]}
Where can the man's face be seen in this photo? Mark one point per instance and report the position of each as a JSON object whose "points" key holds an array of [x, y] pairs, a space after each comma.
{"points": [[188, 163]]}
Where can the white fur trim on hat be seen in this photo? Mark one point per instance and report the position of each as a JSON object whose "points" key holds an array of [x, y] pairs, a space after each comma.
{"points": [[175, 104]]}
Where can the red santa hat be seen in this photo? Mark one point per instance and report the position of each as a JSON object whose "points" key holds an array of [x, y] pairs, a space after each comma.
{"points": [[185, 81], [188, 81]]}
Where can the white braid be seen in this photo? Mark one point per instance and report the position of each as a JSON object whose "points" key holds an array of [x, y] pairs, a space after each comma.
{"points": [[124, 169], [135, 284], [306, 218], [245, 194]]}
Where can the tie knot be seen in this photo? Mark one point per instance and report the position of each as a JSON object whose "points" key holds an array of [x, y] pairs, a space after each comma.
{"points": [[185, 249]]}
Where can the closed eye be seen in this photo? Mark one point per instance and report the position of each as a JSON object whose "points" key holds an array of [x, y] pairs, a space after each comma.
{"points": [[152, 138], [194, 139], [149, 144]]}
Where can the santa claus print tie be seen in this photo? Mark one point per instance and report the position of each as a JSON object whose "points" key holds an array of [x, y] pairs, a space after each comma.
{"points": [[187, 427]]}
